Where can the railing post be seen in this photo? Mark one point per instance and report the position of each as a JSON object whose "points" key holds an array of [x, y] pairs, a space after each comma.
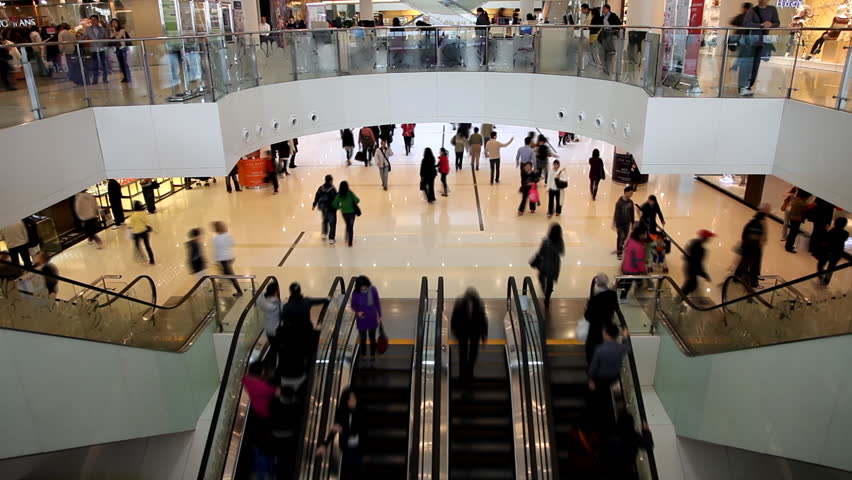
{"points": [[218, 314], [793, 71], [723, 68], [620, 34], [253, 57], [293, 53], [32, 89], [147, 67], [845, 81]]}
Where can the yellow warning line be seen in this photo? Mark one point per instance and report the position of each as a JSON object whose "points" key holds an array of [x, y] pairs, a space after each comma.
{"points": [[410, 341], [563, 341]]}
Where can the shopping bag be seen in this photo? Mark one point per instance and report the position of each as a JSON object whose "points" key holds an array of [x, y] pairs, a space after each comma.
{"points": [[582, 329], [382, 341], [534, 193]]}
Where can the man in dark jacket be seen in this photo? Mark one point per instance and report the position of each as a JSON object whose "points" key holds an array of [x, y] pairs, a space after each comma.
{"points": [[608, 36], [600, 308], [296, 337], [470, 326], [830, 250], [694, 267], [623, 218], [323, 198], [751, 248]]}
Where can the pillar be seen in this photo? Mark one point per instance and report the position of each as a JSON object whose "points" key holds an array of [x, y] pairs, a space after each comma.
{"points": [[365, 10], [754, 190]]}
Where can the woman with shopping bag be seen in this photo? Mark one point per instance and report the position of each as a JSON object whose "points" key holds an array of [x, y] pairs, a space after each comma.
{"points": [[368, 314], [529, 188]]}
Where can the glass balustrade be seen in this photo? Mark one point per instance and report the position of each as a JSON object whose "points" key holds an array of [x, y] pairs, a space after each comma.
{"points": [[664, 61]]}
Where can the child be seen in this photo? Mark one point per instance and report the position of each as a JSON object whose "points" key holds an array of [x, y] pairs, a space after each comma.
{"points": [[657, 251], [444, 169], [197, 264]]}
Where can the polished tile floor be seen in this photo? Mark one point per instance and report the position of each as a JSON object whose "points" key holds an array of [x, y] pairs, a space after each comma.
{"points": [[400, 237]]}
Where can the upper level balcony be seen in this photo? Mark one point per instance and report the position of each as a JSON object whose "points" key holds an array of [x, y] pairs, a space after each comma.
{"points": [[663, 61]]}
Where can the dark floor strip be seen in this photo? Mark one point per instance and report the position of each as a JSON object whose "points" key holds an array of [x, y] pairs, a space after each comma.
{"points": [[478, 205], [292, 247]]}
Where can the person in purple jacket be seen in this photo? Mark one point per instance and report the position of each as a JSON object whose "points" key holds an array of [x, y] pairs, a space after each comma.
{"points": [[368, 313]]}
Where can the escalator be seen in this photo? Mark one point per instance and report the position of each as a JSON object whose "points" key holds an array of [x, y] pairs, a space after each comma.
{"points": [[481, 435]]}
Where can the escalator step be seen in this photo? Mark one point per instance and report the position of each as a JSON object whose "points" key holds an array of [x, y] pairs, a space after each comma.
{"points": [[481, 473]]}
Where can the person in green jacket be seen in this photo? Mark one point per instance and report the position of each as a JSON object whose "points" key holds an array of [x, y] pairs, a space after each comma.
{"points": [[347, 202]]}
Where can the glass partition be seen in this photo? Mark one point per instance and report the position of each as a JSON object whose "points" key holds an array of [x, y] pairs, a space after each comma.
{"points": [[463, 49], [317, 53], [757, 67], [277, 64], [560, 49]]}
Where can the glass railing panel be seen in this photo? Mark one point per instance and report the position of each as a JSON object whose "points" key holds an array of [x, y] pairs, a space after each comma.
{"points": [[633, 68], [53, 97], [696, 69], [816, 82], [316, 55], [512, 53], [411, 50], [179, 70], [631, 392], [242, 72], [603, 53], [560, 48], [111, 65], [275, 61], [250, 328], [757, 67], [217, 58], [367, 49], [462, 49]]}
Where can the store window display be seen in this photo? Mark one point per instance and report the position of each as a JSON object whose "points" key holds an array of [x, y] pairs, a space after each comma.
{"points": [[840, 25]]}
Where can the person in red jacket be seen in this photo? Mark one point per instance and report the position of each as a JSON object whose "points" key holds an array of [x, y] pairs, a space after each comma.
{"points": [[408, 136], [444, 169]]}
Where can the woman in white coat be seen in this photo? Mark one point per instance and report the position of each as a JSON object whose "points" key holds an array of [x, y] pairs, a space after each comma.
{"points": [[556, 177], [382, 157]]}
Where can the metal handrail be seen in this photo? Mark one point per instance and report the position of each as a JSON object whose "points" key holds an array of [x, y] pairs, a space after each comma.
{"points": [[439, 460], [512, 295], [637, 388], [416, 374], [529, 290]]}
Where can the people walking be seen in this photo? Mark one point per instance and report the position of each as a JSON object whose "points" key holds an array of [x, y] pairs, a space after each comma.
{"points": [[348, 142], [223, 253], [349, 424], [17, 241], [97, 51], [460, 143], [607, 360], [383, 154], [234, 176], [492, 151], [294, 149], [148, 186], [633, 262], [525, 154], [752, 240], [694, 266], [548, 261], [529, 183], [87, 210], [141, 229], [542, 157], [367, 140], [347, 202], [296, 338], [323, 200], [596, 172], [650, 211], [444, 170], [195, 254], [791, 193], [600, 309], [753, 43], [557, 182], [470, 327], [282, 154], [408, 136], [798, 208], [118, 33], [608, 37], [475, 141], [428, 174], [831, 248], [623, 219], [368, 314]]}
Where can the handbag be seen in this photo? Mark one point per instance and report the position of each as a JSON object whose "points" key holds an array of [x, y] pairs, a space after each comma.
{"points": [[357, 210], [361, 156], [560, 184], [603, 172], [382, 341], [536, 261], [534, 193], [583, 329]]}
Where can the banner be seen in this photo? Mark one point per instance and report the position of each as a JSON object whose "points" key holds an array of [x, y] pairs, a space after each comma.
{"points": [[693, 40]]}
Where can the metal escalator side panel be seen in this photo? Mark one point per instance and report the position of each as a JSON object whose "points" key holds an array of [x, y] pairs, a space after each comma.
{"points": [[441, 432], [417, 405], [515, 365]]}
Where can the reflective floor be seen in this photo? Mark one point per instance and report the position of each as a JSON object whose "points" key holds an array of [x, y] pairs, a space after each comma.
{"points": [[472, 237]]}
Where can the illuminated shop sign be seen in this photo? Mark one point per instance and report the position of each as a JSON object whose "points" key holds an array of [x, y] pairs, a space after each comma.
{"points": [[17, 22], [789, 3]]}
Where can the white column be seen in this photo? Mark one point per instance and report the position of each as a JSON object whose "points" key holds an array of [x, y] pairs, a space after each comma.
{"points": [[645, 12], [365, 9]]}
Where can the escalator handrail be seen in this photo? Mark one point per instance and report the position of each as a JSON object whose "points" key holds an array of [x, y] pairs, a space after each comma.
{"points": [[529, 289], [757, 293], [220, 397], [637, 388], [416, 367], [512, 295], [437, 401], [130, 285], [329, 378]]}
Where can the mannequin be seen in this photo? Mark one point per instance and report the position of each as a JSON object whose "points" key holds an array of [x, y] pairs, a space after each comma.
{"points": [[803, 14], [840, 22]]}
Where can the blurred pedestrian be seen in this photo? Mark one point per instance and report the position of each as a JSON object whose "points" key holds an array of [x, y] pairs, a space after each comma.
{"points": [[368, 314], [367, 139], [623, 218], [788, 197], [195, 254], [444, 170], [620, 448], [149, 185], [607, 361], [42, 262], [650, 210], [323, 199], [596, 172], [602, 305], [694, 266], [294, 149], [17, 241], [87, 210], [349, 423], [383, 154], [548, 261], [529, 182], [118, 33], [408, 136], [223, 253], [296, 337], [470, 326], [633, 262], [348, 141], [459, 143], [347, 202], [115, 205], [475, 148], [141, 229], [831, 249], [798, 208], [428, 174], [752, 240], [492, 151]]}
